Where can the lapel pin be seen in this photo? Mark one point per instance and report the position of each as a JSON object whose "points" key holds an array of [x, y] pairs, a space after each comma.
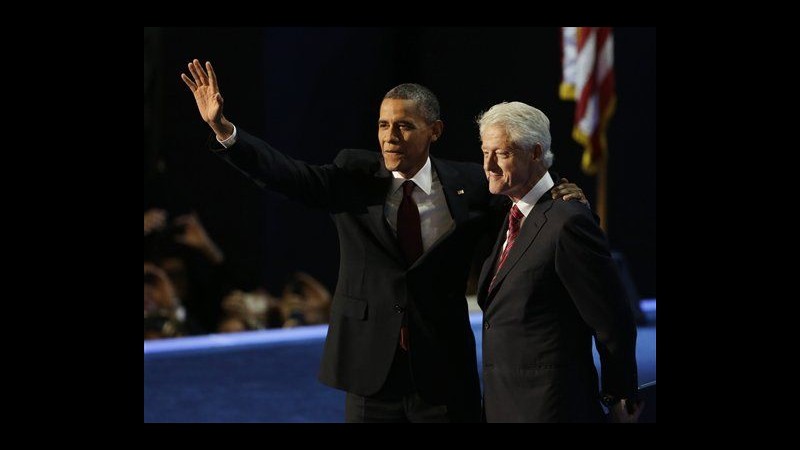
{"points": [[460, 192]]}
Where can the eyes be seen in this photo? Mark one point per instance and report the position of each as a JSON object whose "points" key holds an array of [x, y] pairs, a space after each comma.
{"points": [[501, 154], [403, 126]]}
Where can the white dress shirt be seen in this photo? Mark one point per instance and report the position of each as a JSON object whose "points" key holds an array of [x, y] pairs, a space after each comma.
{"points": [[227, 143], [434, 215], [526, 203]]}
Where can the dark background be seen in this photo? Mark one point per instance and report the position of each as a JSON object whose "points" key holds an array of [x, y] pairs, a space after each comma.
{"points": [[312, 91]]}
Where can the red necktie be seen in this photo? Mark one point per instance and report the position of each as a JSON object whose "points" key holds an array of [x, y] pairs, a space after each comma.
{"points": [[514, 220], [409, 235]]}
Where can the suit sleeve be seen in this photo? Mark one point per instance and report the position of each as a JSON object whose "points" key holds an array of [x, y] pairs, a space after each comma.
{"points": [[585, 266], [271, 169]]}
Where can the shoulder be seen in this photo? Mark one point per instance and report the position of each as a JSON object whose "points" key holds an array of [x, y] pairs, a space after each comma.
{"points": [[358, 160], [574, 223], [467, 171], [571, 213], [460, 166]]}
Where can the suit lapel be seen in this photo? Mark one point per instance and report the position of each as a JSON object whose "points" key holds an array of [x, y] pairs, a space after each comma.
{"points": [[453, 191], [530, 229], [456, 203], [488, 265], [375, 206]]}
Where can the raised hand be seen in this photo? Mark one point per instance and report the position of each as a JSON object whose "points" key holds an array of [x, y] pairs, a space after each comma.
{"points": [[154, 220], [194, 235], [203, 85]]}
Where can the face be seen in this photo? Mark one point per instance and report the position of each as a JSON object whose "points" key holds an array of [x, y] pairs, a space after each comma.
{"points": [[404, 136], [511, 171]]}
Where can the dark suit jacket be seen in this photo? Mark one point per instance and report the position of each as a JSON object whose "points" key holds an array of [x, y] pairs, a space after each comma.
{"points": [[557, 288], [375, 287]]}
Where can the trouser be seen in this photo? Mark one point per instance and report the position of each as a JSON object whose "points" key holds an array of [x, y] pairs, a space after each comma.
{"points": [[397, 401]]}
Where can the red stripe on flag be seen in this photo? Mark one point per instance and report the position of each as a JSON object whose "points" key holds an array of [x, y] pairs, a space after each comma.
{"points": [[592, 77]]}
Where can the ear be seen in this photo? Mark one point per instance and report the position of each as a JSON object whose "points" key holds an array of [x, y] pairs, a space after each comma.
{"points": [[438, 129], [537, 152]]}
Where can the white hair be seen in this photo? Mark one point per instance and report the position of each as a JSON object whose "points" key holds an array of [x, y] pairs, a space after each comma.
{"points": [[526, 126]]}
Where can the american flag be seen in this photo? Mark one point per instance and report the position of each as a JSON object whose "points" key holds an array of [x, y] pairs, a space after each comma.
{"points": [[588, 78]]}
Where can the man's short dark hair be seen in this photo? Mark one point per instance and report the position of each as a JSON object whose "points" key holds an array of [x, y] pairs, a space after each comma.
{"points": [[422, 96]]}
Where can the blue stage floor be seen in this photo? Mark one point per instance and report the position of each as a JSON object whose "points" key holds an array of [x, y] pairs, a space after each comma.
{"points": [[270, 376]]}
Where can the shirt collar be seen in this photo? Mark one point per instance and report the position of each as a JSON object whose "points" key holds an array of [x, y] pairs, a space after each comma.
{"points": [[541, 187], [423, 179]]}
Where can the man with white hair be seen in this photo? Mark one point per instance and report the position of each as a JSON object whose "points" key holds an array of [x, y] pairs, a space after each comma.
{"points": [[549, 285]]}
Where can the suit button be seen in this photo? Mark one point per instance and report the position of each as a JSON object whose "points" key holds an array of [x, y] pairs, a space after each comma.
{"points": [[398, 309], [486, 325]]}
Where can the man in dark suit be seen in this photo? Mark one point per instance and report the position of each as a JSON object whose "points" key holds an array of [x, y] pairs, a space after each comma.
{"points": [[549, 285], [399, 340]]}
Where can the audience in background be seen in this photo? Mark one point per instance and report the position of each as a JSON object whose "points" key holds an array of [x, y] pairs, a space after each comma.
{"points": [[186, 281], [305, 301], [163, 314], [193, 262]]}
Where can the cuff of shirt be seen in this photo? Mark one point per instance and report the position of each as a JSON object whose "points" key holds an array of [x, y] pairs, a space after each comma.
{"points": [[228, 143]]}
